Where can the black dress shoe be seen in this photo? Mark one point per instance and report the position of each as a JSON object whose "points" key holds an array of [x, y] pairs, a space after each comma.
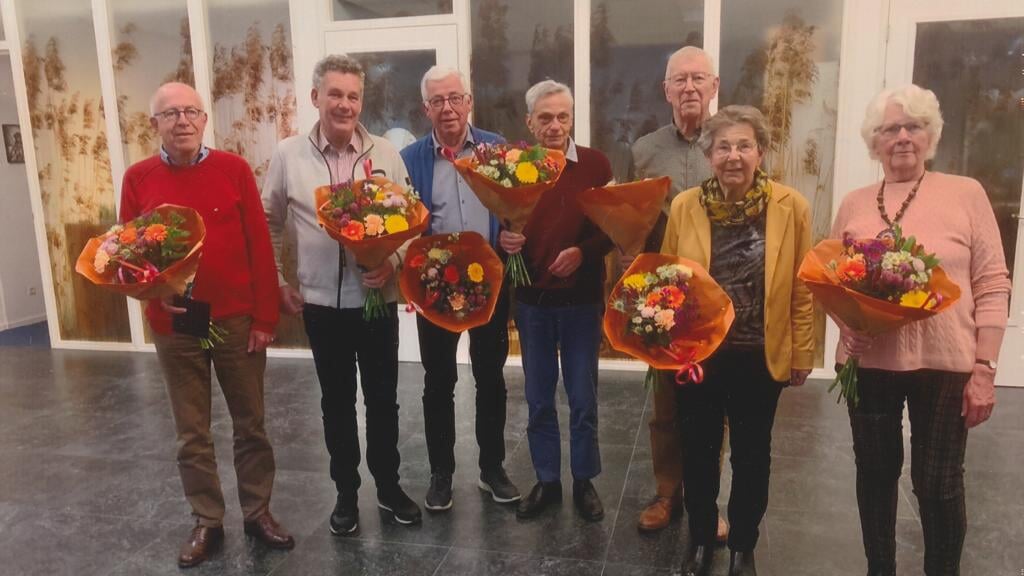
{"points": [[742, 563], [345, 518], [542, 495], [698, 561], [587, 502]]}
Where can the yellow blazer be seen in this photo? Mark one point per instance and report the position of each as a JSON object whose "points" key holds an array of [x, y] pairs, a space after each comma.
{"points": [[788, 310]]}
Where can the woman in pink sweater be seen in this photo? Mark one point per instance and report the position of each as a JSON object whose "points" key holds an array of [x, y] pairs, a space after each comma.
{"points": [[943, 368]]}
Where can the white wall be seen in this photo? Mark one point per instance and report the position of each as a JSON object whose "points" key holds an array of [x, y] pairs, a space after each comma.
{"points": [[19, 258]]}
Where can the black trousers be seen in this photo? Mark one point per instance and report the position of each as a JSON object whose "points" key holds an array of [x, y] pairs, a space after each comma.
{"points": [[736, 385], [488, 350], [938, 441], [341, 340]]}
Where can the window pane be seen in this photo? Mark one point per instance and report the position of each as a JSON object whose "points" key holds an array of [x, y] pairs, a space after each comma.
{"points": [[151, 46], [68, 130], [253, 105], [516, 44], [630, 42], [392, 106], [974, 67], [366, 9], [783, 57]]}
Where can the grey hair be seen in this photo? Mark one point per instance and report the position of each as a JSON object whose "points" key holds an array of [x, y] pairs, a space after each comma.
{"points": [[543, 89], [693, 52], [731, 116], [919, 103], [438, 73], [340, 63], [155, 98]]}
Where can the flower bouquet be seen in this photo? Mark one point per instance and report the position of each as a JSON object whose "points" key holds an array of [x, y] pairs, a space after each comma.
{"points": [[509, 180], [626, 212], [372, 218], [875, 286], [453, 280], [668, 312], [153, 256]]}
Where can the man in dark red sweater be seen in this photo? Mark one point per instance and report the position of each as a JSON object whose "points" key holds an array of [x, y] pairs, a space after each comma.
{"points": [[560, 314], [238, 278]]}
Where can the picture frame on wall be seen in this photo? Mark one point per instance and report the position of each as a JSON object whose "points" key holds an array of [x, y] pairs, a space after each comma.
{"points": [[13, 145]]}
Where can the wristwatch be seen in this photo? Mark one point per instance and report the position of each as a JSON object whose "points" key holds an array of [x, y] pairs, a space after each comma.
{"points": [[989, 363]]}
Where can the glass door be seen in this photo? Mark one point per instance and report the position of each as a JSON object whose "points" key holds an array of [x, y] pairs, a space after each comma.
{"points": [[971, 54]]}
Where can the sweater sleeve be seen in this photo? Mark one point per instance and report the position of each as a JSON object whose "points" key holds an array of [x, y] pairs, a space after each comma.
{"points": [[129, 203], [595, 243], [801, 305], [990, 280], [275, 208], [261, 253]]}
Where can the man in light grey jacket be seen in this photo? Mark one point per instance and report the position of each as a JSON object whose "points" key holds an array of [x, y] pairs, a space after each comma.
{"points": [[332, 290]]}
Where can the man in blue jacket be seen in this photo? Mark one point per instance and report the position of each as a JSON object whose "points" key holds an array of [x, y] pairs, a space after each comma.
{"points": [[455, 208]]}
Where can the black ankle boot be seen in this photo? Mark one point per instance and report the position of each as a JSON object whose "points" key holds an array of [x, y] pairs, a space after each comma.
{"points": [[698, 561], [742, 564]]}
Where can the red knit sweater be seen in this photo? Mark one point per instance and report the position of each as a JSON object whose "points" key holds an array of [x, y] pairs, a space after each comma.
{"points": [[557, 223], [237, 274]]}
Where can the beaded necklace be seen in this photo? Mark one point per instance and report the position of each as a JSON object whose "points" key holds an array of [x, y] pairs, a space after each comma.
{"points": [[903, 207]]}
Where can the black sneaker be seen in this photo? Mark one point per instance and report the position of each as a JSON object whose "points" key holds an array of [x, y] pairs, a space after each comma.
{"points": [[395, 501], [345, 518], [497, 483], [439, 496], [588, 503]]}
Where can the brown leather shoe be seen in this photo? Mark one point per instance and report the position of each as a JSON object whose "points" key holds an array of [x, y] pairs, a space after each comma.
{"points": [[722, 535], [659, 513], [267, 530], [201, 544]]}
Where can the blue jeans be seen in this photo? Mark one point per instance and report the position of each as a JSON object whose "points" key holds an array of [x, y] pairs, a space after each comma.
{"points": [[576, 332]]}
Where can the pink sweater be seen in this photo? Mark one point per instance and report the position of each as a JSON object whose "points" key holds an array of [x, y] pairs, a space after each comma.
{"points": [[952, 217]]}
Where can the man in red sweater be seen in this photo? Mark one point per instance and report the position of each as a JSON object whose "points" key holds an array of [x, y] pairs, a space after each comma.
{"points": [[560, 313], [238, 278]]}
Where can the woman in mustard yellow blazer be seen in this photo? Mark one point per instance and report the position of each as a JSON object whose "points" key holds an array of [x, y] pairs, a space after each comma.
{"points": [[751, 234]]}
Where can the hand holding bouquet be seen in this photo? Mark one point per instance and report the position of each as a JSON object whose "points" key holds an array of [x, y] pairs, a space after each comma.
{"points": [[372, 218], [153, 256], [670, 313], [453, 280], [509, 180], [875, 286]]}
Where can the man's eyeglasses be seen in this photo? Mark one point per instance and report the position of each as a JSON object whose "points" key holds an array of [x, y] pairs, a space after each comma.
{"points": [[890, 131], [173, 114], [437, 102], [698, 78]]}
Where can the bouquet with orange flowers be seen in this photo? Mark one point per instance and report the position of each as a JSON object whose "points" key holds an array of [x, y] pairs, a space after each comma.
{"points": [[453, 280], [372, 218], [153, 256], [509, 180], [626, 213], [668, 312], [875, 285]]}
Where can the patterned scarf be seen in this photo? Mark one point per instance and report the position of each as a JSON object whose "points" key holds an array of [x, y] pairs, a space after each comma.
{"points": [[727, 213]]}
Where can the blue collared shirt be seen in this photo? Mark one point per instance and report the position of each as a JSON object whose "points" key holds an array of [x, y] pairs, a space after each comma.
{"points": [[455, 208], [203, 153]]}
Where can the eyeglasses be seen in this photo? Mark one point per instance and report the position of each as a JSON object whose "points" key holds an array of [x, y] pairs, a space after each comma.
{"points": [[891, 131], [437, 102], [698, 78], [723, 149], [173, 114]]}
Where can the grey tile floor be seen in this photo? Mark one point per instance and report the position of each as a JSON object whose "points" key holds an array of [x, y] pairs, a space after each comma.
{"points": [[88, 485]]}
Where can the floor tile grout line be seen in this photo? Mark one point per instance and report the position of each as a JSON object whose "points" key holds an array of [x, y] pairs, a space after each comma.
{"points": [[625, 483], [441, 563]]}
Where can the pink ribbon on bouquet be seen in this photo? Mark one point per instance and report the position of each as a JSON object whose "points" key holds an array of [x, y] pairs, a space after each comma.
{"points": [[691, 372]]}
